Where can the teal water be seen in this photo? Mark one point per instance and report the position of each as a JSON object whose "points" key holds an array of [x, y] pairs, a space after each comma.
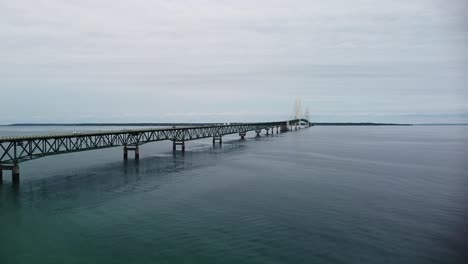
{"points": [[319, 195]]}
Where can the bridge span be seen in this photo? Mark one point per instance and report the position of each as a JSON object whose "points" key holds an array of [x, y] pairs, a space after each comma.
{"points": [[18, 149]]}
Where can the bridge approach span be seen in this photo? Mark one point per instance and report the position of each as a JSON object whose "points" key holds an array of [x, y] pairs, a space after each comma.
{"points": [[18, 149]]}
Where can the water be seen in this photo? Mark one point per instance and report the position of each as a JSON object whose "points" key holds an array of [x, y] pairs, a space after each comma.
{"points": [[319, 195]]}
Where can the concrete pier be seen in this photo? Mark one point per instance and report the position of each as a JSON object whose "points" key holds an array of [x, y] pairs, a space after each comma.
{"points": [[125, 153], [258, 132], [217, 138], [242, 134], [137, 153], [136, 149], [15, 175], [176, 143]]}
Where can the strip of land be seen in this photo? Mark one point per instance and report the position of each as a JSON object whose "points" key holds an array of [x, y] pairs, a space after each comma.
{"points": [[360, 124]]}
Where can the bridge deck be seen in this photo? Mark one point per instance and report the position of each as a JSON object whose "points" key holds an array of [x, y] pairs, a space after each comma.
{"points": [[17, 149]]}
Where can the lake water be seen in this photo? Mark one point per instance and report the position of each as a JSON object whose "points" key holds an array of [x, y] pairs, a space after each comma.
{"points": [[318, 195]]}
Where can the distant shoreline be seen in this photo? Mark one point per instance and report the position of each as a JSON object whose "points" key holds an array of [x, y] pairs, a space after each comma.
{"points": [[198, 124], [359, 124]]}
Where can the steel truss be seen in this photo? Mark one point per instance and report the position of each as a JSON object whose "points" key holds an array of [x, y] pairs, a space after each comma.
{"points": [[14, 150]]}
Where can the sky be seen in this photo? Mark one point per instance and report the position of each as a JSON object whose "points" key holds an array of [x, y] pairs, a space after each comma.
{"points": [[232, 61]]}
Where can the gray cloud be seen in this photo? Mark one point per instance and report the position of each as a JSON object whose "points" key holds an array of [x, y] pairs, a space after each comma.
{"points": [[217, 60]]}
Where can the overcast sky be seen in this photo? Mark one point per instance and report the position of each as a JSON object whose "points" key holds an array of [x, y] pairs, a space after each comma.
{"points": [[158, 61]]}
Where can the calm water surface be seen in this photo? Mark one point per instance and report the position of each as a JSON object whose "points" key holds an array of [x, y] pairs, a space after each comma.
{"points": [[319, 195]]}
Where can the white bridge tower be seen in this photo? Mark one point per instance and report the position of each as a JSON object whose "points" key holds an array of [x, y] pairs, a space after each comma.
{"points": [[300, 113]]}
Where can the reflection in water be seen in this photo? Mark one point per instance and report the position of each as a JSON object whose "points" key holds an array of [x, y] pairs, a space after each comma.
{"points": [[116, 178], [10, 196]]}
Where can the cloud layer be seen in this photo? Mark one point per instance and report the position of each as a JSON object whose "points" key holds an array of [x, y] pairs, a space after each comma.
{"points": [[150, 61]]}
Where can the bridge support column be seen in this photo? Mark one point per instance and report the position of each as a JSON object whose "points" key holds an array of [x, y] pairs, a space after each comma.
{"points": [[217, 138], [258, 131], [267, 131], [15, 175], [136, 149], [125, 153], [176, 143], [242, 135], [137, 153]]}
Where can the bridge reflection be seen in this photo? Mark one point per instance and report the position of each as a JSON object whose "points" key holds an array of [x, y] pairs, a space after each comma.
{"points": [[114, 178]]}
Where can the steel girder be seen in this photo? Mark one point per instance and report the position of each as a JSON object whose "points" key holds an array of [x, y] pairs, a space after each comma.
{"points": [[17, 149]]}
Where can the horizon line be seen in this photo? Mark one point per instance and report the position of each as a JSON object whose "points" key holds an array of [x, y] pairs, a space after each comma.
{"points": [[191, 123]]}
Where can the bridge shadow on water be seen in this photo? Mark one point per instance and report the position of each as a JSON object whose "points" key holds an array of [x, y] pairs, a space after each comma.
{"points": [[114, 179]]}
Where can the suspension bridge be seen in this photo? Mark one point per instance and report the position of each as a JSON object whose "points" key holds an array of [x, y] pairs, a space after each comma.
{"points": [[17, 149]]}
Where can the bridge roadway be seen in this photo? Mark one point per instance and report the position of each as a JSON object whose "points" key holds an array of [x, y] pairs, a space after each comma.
{"points": [[17, 149]]}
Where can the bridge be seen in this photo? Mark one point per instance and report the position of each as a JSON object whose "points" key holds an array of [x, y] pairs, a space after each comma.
{"points": [[18, 149]]}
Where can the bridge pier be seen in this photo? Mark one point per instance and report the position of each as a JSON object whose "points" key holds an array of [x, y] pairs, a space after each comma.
{"points": [[219, 139], [267, 129], [137, 153], [176, 143], [242, 134], [136, 149], [258, 131], [15, 175]]}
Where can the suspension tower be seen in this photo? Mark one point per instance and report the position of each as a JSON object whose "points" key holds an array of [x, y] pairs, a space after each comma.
{"points": [[298, 112], [307, 116]]}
